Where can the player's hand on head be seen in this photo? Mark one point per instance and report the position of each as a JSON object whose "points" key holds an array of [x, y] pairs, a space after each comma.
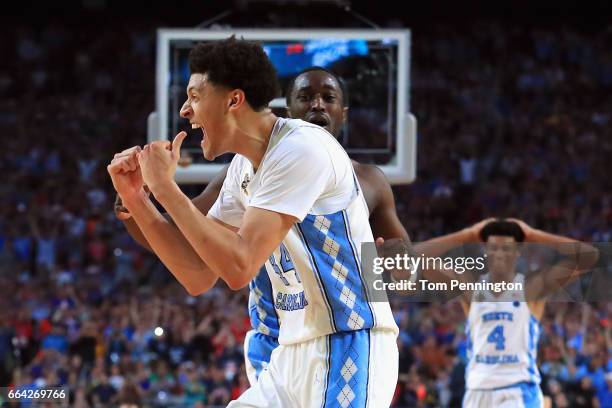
{"points": [[158, 161], [527, 229], [474, 230], [125, 172]]}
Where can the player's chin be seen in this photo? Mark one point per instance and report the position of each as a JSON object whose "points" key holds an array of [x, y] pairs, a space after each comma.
{"points": [[209, 155]]}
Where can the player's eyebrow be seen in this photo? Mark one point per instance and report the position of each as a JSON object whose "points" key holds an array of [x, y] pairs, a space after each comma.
{"points": [[196, 87], [191, 88], [304, 88]]}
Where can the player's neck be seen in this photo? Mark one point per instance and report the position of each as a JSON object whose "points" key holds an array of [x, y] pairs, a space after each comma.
{"points": [[253, 135]]}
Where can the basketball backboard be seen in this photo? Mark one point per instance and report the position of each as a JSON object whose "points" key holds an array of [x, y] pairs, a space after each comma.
{"points": [[374, 64]]}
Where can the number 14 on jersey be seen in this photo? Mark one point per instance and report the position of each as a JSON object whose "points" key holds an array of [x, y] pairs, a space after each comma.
{"points": [[286, 265]]}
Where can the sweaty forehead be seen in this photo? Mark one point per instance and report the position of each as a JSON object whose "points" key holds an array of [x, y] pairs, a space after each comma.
{"points": [[316, 80]]}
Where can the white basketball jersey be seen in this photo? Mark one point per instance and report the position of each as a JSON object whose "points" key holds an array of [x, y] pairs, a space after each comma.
{"points": [[502, 340], [317, 286]]}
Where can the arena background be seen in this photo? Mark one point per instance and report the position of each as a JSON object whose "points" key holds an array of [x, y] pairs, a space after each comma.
{"points": [[514, 109]]}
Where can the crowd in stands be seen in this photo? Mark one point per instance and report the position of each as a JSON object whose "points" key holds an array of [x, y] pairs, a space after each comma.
{"points": [[513, 121]]}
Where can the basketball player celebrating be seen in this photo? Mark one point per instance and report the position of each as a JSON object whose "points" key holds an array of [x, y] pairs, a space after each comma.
{"points": [[316, 95], [503, 328], [291, 197]]}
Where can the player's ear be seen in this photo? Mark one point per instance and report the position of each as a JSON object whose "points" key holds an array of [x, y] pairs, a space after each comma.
{"points": [[345, 114], [236, 99], [288, 111]]}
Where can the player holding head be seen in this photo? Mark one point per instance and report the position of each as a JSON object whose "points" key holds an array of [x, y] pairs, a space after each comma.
{"points": [[290, 197], [503, 327], [502, 239]]}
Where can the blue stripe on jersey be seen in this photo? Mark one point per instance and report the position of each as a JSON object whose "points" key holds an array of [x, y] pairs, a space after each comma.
{"points": [[348, 370], [317, 275], [259, 350], [532, 396], [534, 334], [350, 237], [264, 318], [337, 266]]}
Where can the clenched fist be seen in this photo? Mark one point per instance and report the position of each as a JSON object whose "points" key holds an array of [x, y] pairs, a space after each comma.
{"points": [[158, 162], [125, 172]]}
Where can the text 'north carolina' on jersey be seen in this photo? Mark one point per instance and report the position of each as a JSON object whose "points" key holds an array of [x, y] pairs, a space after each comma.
{"points": [[315, 274], [502, 340]]}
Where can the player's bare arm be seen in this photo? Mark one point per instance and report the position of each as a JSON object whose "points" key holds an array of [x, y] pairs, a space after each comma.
{"points": [[203, 202], [163, 237], [383, 215], [233, 256], [440, 245], [579, 258], [381, 203]]}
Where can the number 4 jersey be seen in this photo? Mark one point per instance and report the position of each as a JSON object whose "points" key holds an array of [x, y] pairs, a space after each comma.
{"points": [[502, 340]]}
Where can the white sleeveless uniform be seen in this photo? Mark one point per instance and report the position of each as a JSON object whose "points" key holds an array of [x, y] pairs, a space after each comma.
{"points": [[502, 350], [336, 347]]}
